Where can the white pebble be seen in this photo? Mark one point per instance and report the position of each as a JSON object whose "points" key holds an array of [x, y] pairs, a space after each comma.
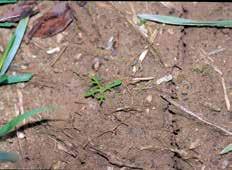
{"points": [[59, 38], [164, 79], [149, 98], [53, 50], [20, 135]]}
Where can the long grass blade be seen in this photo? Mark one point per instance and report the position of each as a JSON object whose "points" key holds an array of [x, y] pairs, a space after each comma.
{"points": [[5, 129], [12, 79], [227, 149], [7, 1], [184, 22], [7, 24], [19, 33], [7, 50], [8, 156]]}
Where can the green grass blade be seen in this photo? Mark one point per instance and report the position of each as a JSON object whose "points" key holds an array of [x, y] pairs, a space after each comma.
{"points": [[7, 1], [3, 79], [184, 22], [8, 156], [226, 149], [12, 79], [15, 121], [19, 33], [5, 54], [113, 84], [7, 24]]}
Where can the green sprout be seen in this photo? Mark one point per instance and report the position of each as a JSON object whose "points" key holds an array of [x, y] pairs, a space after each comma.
{"points": [[97, 89]]}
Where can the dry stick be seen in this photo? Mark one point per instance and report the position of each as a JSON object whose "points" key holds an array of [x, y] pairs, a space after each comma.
{"points": [[112, 159], [194, 115], [151, 48], [58, 57], [204, 54], [225, 94]]}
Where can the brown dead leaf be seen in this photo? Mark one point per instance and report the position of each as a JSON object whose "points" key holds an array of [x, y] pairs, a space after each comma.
{"points": [[19, 11], [52, 22]]}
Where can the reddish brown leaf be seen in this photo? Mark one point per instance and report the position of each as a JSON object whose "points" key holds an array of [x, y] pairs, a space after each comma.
{"points": [[52, 22], [19, 11]]}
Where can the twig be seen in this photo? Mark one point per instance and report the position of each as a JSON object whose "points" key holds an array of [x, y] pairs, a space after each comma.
{"points": [[136, 80], [225, 94], [216, 51], [58, 57], [113, 160], [195, 115]]}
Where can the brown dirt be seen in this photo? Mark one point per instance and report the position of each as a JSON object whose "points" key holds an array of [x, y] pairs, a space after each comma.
{"points": [[152, 135]]}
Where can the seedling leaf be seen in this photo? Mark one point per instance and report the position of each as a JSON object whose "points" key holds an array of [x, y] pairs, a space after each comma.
{"points": [[19, 32], [12, 79], [5, 129], [227, 149], [184, 22], [98, 90]]}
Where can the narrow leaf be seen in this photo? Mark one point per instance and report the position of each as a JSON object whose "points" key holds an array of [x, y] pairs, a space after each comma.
{"points": [[5, 54], [12, 79], [226, 149], [15, 121], [7, 24], [19, 32], [184, 22], [7, 1], [8, 156]]}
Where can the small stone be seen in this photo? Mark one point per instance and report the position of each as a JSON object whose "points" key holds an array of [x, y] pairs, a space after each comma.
{"points": [[164, 79], [59, 38], [149, 98], [78, 56], [23, 67], [96, 64], [147, 110], [53, 50], [21, 135]]}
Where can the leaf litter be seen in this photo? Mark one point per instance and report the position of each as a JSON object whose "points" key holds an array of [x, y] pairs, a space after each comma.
{"points": [[20, 11], [53, 22]]}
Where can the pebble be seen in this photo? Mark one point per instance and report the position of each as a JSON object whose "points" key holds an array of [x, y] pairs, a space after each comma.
{"points": [[59, 38], [21, 135], [164, 79], [96, 64], [149, 98], [53, 50]]}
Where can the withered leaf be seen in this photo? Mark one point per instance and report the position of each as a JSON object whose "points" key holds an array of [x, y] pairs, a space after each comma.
{"points": [[19, 11], [56, 20]]}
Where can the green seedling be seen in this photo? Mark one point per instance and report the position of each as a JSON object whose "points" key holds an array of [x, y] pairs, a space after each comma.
{"points": [[141, 22], [98, 90]]}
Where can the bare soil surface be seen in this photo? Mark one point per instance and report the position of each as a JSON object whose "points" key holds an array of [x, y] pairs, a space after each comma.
{"points": [[135, 128]]}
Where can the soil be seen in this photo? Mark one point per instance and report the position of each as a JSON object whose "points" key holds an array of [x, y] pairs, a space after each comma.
{"points": [[134, 128]]}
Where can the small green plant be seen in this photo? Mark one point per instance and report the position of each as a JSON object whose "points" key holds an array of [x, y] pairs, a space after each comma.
{"points": [[98, 90]]}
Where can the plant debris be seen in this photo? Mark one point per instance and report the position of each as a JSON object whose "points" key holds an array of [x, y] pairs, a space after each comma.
{"points": [[52, 22], [13, 45], [20, 11], [98, 89], [185, 22]]}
